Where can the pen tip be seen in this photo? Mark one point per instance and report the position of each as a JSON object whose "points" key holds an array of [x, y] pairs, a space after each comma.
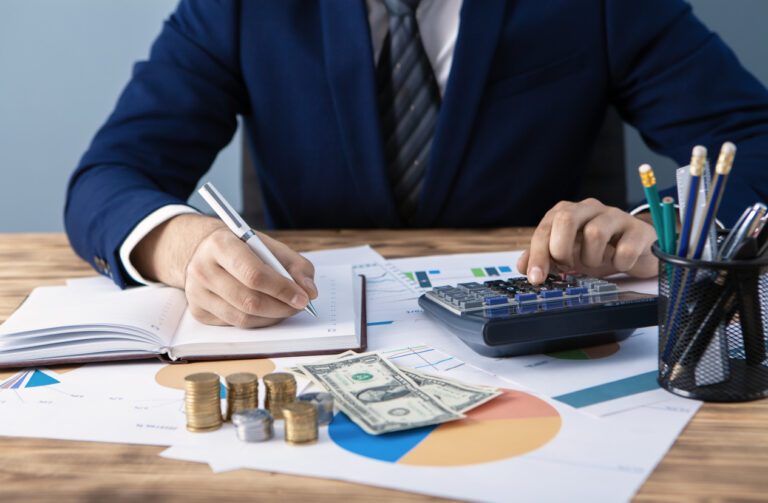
{"points": [[311, 310]]}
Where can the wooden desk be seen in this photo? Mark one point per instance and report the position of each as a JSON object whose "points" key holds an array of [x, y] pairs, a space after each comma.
{"points": [[722, 455]]}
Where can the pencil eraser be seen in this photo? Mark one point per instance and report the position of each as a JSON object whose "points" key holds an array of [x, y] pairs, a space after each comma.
{"points": [[728, 148]]}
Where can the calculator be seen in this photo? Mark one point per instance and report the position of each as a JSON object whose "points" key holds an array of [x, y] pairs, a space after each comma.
{"points": [[513, 317]]}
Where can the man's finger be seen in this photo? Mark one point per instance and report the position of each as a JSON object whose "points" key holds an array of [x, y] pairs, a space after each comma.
{"points": [[539, 259], [300, 269], [522, 262], [242, 263], [596, 235], [244, 299], [566, 225], [207, 301]]}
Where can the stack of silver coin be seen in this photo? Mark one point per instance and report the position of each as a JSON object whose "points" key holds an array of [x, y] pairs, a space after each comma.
{"points": [[324, 404], [253, 425]]}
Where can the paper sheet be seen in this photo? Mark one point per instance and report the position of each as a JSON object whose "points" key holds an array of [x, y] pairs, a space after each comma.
{"points": [[517, 446], [591, 458]]}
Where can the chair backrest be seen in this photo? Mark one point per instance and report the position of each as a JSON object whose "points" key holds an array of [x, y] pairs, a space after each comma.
{"points": [[253, 205], [606, 177]]}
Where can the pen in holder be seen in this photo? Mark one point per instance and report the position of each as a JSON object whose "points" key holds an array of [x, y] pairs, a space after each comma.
{"points": [[712, 319]]}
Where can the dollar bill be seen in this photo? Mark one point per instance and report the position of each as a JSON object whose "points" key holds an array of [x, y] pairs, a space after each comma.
{"points": [[378, 396], [345, 354], [456, 395]]}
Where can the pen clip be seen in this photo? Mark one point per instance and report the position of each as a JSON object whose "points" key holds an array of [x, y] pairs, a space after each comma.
{"points": [[222, 208]]}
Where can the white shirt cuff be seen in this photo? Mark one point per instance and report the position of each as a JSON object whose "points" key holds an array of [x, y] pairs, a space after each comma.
{"points": [[144, 227]]}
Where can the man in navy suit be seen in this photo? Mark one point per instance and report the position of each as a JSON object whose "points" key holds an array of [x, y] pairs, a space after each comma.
{"points": [[507, 98]]}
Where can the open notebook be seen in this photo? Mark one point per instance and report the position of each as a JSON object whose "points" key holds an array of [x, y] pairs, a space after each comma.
{"points": [[64, 324]]}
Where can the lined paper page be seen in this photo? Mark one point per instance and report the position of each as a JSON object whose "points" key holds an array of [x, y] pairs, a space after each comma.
{"points": [[335, 307]]}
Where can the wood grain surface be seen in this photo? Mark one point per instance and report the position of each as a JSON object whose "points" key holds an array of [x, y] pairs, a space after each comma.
{"points": [[721, 456]]}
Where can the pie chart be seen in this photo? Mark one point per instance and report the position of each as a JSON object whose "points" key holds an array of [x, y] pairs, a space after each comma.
{"points": [[172, 376], [590, 353], [512, 424], [33, 378]]}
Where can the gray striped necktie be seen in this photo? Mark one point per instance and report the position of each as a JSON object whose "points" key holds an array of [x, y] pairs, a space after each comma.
{"points": [[409, 101]]}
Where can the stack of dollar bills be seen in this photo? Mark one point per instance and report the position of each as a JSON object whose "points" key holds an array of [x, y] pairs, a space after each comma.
{"points": [[381, 397]]}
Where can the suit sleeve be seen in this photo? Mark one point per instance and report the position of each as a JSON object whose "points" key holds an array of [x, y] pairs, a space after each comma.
{"points": [[177, 111], [680, 85]]}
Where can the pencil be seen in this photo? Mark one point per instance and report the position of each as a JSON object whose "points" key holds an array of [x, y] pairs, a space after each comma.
{"points": [[648, 180], [680, 288], [697, 164], [669, 218], [698, 161], [722, 170]]}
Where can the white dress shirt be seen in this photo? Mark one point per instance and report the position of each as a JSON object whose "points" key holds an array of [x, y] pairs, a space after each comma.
{"points": [[438, 25]]}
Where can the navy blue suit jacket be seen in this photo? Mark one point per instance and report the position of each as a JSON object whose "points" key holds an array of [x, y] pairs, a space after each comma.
{"points": [[527, 91]]}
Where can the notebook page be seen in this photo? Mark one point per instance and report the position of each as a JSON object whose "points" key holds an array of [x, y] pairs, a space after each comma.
{"points": [[335, 307], [150, 313]]}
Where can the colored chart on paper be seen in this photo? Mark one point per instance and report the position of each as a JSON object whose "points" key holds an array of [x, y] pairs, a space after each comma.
{"points": [[32, 378], [172, 376], [510, 425], [590, 353], [435, 277], [423, 358]]}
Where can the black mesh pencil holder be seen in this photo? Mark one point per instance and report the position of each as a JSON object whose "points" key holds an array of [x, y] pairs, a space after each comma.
{"points": [[712, 319]]}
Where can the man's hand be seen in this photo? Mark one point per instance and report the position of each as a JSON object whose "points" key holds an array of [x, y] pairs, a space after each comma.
{"points": [[225, 282], [590, 238]]}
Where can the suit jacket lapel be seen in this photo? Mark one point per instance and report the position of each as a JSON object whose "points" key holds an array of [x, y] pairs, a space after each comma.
{"points": [[479, 30], [351, 77]]}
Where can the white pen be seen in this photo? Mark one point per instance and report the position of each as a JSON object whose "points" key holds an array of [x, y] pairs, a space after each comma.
{"points": [[241, 229]]}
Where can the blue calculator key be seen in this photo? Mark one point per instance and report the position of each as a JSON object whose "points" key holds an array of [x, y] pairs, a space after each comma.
{"points": [[548, 294], [576, 290], [553, 304], [522, 297], [492, 301]]}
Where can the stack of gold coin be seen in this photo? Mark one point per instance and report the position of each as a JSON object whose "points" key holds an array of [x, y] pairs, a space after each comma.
{"points": [[203, 401], [242, 392], [300, 423], [281, 390]]}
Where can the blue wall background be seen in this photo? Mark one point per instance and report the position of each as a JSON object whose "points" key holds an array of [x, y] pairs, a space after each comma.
{"points": [[63, 64]]}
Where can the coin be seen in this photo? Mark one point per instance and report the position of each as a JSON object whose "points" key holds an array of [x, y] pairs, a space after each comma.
{"points": [[253, 425], [324, 404], [300, 423], [242, 392], [281, 390], [202, 400]]}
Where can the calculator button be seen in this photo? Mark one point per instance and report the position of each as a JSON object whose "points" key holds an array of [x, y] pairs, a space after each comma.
{"points": [[576, 290], [522, 297], [552, 304], [549, 294], [493, 301]]}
